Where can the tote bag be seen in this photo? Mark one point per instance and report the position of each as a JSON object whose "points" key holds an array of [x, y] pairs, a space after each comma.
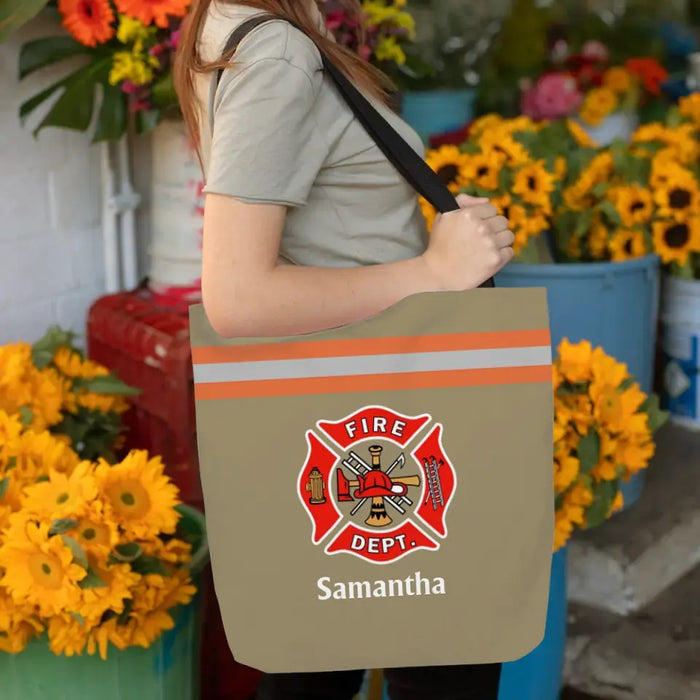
{"points": [[380, 494]]}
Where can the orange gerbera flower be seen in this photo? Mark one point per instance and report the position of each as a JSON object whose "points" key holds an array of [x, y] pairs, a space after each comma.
{"points": [[91, 22], [153, 11], [652, 73]]}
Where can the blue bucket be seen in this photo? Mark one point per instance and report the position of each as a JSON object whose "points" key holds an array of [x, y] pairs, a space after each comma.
{"points": [[435, 112], [540, 674], [611, 304]]}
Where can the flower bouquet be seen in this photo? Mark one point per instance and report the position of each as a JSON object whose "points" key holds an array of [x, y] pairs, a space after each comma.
{"points": [[379, 36], [603, 435], [126, 47], [569, 200], [90, 553], [51, 386]]}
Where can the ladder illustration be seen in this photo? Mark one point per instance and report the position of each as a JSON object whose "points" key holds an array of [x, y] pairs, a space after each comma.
{"points": [[434, 485]]}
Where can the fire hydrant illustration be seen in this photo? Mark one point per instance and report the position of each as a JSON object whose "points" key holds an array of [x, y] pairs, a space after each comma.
{"points": [[316, 487], [376, 485]]}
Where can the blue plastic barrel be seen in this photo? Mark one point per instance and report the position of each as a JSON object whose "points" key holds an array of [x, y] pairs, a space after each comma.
{"points": [[611, 304], [435, 112], [540, 674]]}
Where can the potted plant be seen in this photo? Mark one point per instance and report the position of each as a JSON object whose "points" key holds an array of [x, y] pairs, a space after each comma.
{"points": [[438, 79], [590, 223], [603, 435], [97, 560]]}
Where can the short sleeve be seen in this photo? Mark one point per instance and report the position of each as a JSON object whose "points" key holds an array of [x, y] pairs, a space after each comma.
{"points": [[266, 147]]}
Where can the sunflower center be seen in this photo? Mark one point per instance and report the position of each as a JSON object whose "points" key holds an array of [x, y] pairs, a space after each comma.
{"points": [[483, 170], [46, 570], [506, 212], [130, 499], [628, 246], [677, 236], [636, 206], [679, 198], [448, 173], [89, 533], [532, 183], [62, 498]]}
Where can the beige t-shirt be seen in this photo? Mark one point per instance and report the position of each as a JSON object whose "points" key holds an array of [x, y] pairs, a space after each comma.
{"points": [[277, 131]]}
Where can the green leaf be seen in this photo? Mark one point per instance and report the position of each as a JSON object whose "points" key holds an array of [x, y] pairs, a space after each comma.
{"points": [[657, 417], [627, 384], [92, 580], [111, 121], [75, 106], [600, 189], [126, 553], [147, 121], [62, 525], [674, 118], [43, 52], [603, 497], [15, 13], [43, 350], [41, 479], [11, 463], [584, 220], [78, 617], [611, 213], [108, 384], [4, 484], [149, 565], [78, 552], [589, 450], [26, 415]]}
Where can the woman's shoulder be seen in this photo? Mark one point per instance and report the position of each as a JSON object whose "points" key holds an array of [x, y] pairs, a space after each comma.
{"points": [[273, 40]]}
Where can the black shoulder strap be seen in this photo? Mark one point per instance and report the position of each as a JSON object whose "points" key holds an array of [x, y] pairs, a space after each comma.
{"points": [[400, 153]]}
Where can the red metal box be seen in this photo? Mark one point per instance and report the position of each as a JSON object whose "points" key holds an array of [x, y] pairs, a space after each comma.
{"points": [[148, 346]]}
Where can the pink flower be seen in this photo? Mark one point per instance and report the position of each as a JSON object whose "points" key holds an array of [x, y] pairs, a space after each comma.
{"points": [[554, 95], [174, 39], [596, 51], [129, 88]]}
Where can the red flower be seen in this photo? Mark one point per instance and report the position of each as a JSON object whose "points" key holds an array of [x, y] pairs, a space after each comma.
{"points": [[652, 73]]}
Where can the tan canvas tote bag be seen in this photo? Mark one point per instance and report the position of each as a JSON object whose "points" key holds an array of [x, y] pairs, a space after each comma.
{"points": [[380, 495]]}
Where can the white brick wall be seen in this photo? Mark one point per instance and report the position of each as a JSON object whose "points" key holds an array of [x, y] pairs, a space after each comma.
{"points": [[51, 265]]}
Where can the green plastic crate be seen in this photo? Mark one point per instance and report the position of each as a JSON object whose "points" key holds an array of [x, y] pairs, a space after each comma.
{"points": [[167, 670]]}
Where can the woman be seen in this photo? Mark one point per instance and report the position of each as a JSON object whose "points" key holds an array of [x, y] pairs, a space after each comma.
{"points": [[308, 227]]}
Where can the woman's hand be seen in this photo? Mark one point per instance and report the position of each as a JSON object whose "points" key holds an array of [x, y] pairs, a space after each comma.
{"points": [[468, 246]]}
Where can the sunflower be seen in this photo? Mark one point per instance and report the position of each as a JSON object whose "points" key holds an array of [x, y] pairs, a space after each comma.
{"points": [[618, 410], [483, 124], [153, 11], [597, 240], [39, 570], [482, 169], [174, 551], [119, 581], [679, 196], [597, 105], [62, 496], [664, 168], [429, 212], [690, 107], [138, 496], [575, 361], [618, 79], [580, 135], [635, 454], [634, 203], [91, 22], [534, 183], [627, 244], [104, 403], [675, 240], [67, 634], [96, 534], [680, 140], [566, 469], [502, 142], [448, 164], [18, 625]]}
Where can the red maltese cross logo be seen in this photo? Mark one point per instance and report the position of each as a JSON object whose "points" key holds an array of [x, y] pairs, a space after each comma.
{"points": [[377, 484]]}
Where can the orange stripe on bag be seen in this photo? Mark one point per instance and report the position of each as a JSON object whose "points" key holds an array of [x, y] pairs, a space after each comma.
{"points": [[296, 350], [375, 382]]}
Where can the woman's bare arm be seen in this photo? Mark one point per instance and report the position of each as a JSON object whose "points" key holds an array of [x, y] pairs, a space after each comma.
{"points": [[247, 293]]}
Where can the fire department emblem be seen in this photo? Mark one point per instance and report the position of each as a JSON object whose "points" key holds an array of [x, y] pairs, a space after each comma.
{"points": [[377, 484]]}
